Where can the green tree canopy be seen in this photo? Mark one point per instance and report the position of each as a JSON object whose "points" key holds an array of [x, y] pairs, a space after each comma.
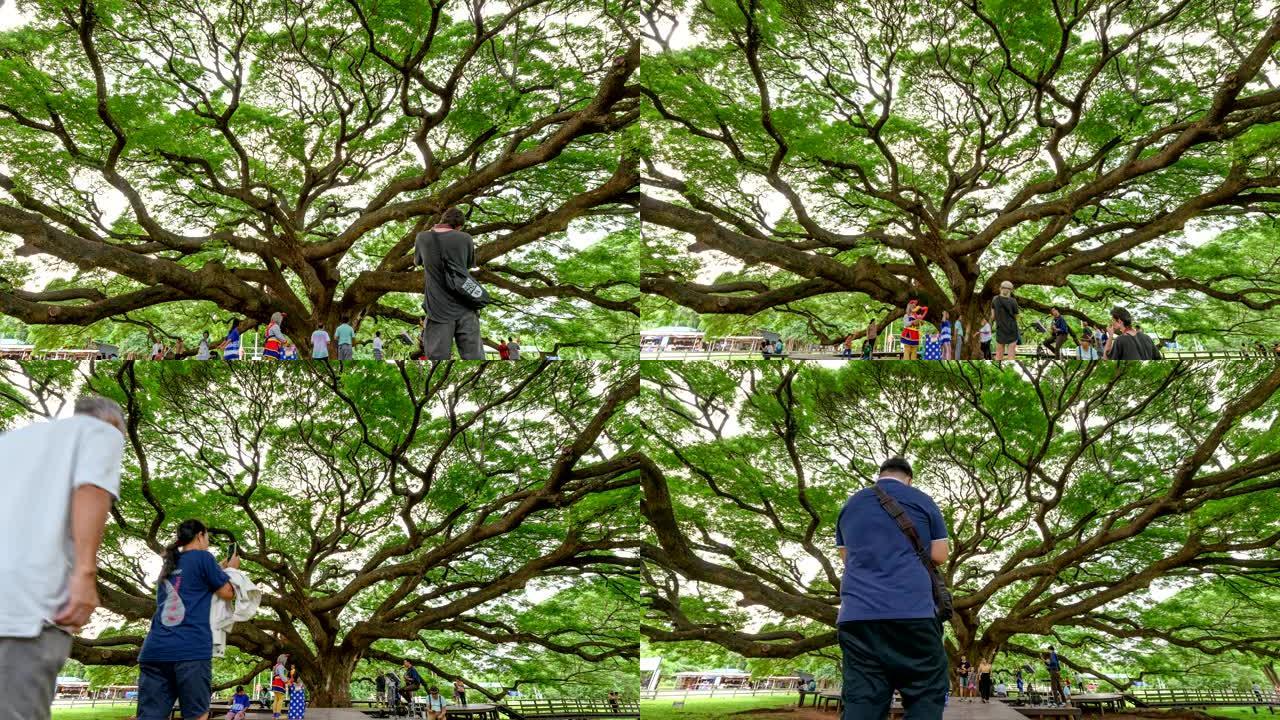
{"points": [[1124, 512], [480, 519], [281, 156], [833, 160]]}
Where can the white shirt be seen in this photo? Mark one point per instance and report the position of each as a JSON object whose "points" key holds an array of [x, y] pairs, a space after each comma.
{"points": [[377, 343], [43, 463], [204, 350], [320, 344]]}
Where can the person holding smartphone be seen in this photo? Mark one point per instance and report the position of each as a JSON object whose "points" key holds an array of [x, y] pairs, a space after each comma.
{"points": [[176, 661]]}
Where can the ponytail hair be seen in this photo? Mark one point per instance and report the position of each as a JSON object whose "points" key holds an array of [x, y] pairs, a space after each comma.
{"points": [[187, 531]]}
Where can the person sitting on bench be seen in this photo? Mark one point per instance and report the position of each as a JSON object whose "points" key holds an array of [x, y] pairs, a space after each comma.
{"points": [[436, 709]]}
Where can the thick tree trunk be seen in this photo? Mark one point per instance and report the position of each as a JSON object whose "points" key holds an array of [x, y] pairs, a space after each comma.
{"points": [[329, 681], [970, 314]]}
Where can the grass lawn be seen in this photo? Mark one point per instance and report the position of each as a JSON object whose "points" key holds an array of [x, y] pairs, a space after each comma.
{"points": [[1243, 713], [100, 713], [696, 708]]}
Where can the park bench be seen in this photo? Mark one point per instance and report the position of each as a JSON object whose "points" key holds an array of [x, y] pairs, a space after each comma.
{"points": [[827, 699], [814, 693]]}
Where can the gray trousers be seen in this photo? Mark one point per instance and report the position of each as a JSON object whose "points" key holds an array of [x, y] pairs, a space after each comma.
{"points": [[28, 670], [439, 336]]}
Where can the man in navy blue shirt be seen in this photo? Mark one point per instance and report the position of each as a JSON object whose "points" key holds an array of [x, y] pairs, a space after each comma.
{"points": [[890, 636], [1058, 333], [412, 681], [1054, 665]]}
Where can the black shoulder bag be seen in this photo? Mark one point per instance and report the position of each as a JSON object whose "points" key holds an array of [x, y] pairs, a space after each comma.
{"points": [[459, 282], [941, 595]]}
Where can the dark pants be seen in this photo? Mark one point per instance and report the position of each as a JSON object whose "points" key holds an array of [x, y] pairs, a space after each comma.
{"points": [[190, 682], [439, 337], [1054, 344], [984, 686], [986, 349], [880, 656], [407, 691], [1055, 686]]}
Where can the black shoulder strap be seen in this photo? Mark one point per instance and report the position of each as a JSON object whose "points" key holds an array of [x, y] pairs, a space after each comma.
{"points": [[445, 265], [908, 528]]}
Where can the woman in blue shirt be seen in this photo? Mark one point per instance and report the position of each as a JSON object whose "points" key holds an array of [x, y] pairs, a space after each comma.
{"points": [[230, 346], [176, 661]]}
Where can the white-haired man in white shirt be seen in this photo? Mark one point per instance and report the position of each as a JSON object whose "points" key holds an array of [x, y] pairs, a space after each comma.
{"points": [[58, 481]]}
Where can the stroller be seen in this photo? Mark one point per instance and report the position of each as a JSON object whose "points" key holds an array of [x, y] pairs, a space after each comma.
{"points": [[396, 705]]}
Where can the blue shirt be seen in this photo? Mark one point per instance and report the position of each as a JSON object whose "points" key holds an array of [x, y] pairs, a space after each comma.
{"points": [[1060, 326], [240, 699], [180, 628], [1052, 662], [232, 350], [411, 676], [883, 577]]}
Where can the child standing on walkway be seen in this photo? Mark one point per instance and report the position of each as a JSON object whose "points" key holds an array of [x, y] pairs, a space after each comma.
{"points": [[279, 677], [944, 331], [911, 330], [297, 700]]}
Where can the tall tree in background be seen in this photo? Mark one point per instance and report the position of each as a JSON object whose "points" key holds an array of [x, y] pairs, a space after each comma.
{"points": [[263, 157], [862, 155], [400, 511], [1126, 512]]}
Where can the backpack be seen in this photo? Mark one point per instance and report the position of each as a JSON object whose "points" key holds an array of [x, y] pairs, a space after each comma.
{"points": [[459, 282]]}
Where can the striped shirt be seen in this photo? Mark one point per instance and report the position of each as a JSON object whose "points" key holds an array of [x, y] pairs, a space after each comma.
{"points": [[232, 351]]}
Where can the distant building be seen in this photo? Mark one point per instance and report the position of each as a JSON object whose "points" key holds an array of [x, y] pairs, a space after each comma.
{"points": [[71, 687], [779, 682], [670, 339], [709, 679]]}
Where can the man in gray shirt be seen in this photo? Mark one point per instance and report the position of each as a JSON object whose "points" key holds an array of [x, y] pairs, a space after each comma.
{"points": [[59, 481], [448, 320]]}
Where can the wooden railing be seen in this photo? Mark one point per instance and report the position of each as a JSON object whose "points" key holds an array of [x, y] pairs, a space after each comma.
{"points": [[1180, 697], [685, 693], [564, 708], [828, 353]]}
